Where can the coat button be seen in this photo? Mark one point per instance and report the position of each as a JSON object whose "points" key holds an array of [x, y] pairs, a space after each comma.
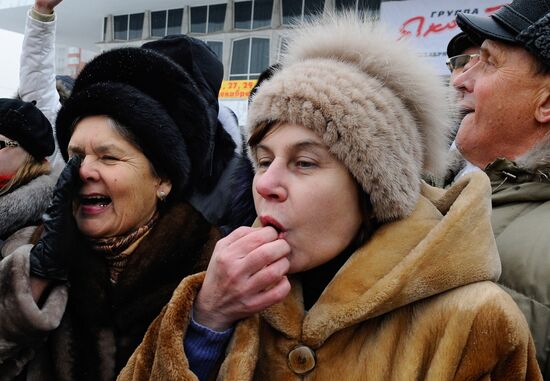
{"points": [[301, 359]]}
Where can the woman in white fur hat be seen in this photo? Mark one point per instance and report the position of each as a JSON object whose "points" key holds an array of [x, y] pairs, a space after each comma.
{"points": [[355, 268]]}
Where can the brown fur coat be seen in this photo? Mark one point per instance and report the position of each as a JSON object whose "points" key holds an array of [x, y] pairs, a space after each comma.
{"points": [[102, 323], [416, 302]]}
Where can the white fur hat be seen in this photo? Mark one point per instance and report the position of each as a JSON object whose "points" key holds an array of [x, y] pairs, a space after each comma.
{"points": [[379, 108]]}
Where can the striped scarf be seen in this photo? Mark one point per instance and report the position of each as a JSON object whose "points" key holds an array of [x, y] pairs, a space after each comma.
{"points": [[115, 249]]}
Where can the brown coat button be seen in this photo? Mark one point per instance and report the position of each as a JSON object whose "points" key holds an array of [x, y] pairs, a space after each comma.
{"points": [[301, 359]]}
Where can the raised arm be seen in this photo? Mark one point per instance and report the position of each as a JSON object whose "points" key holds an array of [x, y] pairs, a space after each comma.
{"points": [[37, 69]]}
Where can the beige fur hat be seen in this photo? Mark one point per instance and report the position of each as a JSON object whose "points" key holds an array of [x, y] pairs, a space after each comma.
{"points": [[379, 108]]}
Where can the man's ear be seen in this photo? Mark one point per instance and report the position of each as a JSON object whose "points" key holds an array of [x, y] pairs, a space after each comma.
{"points": [[542, 112]]}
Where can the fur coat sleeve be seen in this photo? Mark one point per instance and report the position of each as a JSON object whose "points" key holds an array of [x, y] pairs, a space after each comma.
{"points": [[24, 325]]}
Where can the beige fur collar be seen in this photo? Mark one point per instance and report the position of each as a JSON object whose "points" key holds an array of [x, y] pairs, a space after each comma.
{"points": [[447, 242]]}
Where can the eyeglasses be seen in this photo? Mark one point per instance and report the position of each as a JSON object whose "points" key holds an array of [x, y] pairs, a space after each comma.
{"points": [[8, 143], [457, 62]]}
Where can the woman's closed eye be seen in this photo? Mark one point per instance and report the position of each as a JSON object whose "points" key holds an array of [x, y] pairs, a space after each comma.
{"points": [[109, 158]]}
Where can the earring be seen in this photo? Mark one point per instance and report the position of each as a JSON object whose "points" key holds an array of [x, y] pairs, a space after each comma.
{"points": [[161, 195]]}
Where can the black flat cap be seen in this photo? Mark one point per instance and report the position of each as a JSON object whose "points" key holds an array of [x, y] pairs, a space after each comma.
{"points": [[25, 123], [523, 22]]}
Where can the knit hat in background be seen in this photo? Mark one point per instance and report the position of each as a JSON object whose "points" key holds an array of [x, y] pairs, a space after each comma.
{"points": [[380, 109], [24, 122], [156, 99]]}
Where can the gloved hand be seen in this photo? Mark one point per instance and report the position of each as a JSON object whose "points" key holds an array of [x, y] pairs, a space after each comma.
{"points": [[48, 258]]}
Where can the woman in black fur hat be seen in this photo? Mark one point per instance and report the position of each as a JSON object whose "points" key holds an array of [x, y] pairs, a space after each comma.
{"points": [[136, 134], [26, 139]]}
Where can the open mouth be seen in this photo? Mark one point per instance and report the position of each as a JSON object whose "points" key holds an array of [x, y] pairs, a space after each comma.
{"points": [[100, 201]]}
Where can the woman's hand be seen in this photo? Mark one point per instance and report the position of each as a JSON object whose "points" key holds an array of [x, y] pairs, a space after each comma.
{"points": [[49, 256], [46, 7], [247, 273]]}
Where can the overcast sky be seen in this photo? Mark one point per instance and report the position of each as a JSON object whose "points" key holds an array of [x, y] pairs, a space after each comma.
{"points": [[10, 46]]}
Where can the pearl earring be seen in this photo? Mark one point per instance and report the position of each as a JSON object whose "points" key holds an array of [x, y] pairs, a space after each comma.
{"points": [[161, 195]]}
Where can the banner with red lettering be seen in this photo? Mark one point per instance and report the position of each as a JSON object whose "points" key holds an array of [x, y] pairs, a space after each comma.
{"points": [[430, 24]]}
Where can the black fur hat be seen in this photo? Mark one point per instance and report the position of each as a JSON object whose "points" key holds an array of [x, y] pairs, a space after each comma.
{"points": [[156, 99], [25, 123], [202, 64]]}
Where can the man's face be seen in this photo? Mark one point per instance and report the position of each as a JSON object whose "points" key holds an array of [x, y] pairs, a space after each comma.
{"points": [[501, 92]]}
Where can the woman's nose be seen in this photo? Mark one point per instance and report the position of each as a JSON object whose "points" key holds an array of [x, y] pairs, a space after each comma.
{"points": [[271, 183], [88, 172]]}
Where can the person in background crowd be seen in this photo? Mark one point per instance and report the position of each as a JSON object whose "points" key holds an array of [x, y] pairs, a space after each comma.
{"points": [[355, 269], [26, 139], [119, 230], [23, 205], [229, 203], [460, 51], [507, 133]]}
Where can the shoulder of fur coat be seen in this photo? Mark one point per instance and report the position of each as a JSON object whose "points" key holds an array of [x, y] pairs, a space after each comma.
{"points": [[416, 300], [25, 205], [23, 324]]}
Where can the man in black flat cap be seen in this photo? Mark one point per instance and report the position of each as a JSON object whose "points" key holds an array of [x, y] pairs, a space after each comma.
{"points": [[507, 133]]}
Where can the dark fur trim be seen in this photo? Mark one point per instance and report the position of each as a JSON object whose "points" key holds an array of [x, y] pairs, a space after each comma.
{"points": [[536, 39]]}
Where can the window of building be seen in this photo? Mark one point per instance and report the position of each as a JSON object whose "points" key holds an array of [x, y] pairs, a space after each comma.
{"points": [[126, 27], [168, 22], [215, 14], [217, 47], [158, 24], [297, 10], [249, 57], [105, 21], [120, 27], [135, 31], [175, 19], [253, 14], [358, 5]]}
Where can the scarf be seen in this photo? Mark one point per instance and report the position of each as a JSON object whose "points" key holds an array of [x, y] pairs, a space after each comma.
{"points": [[115, 249], [4, 179]]}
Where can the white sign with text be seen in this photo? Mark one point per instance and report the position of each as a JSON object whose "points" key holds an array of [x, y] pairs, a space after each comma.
{"points": [[431, 24]]}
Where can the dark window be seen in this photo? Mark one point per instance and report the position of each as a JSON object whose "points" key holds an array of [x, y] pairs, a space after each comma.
{"points": [[216, 17], [105, 20], [136, 26], [369, 5], [158, 24], [313, 7], [262, 13], [198, 19], [259, 57], [249, 58], [175, 18], [243, 15], [239, 59], [121, 27], [345, 4], [292, 11], [217, 47]]}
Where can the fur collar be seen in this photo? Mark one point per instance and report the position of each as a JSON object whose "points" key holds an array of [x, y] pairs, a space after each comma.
{"points": [[25, 205], [446, 243], [537, 160]]}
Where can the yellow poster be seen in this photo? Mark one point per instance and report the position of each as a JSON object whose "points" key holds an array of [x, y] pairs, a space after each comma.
{"points": [[236, 89]]}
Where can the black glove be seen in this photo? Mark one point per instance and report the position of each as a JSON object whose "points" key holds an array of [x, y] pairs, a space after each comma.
{"points": [[48, 257]]}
